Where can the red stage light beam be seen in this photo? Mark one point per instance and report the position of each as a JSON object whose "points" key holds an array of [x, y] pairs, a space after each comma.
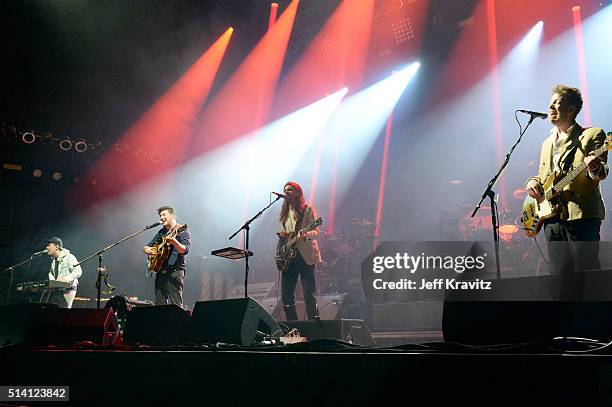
{"points": [[582, 70], [163, 131], [242, 105]]}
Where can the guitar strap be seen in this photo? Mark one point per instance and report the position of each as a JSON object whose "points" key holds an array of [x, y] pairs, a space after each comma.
{"points": [[567, 158], [565, 163]]}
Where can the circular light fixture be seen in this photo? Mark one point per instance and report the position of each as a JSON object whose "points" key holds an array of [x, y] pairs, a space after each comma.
{"points": [[56, 176], [28, 137], [37, 173], [65, 144], [155, 157], [80, 146]]}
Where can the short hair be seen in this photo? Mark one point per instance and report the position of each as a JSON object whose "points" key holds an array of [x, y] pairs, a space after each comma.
{"points": [[570, 96], [166, 208]]}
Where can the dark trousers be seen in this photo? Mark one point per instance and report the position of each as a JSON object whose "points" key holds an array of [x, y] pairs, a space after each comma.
{"points": [[169, 287], [573, 245], [299, 267]]}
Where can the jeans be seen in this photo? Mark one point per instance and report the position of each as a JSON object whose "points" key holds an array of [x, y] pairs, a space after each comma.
{"points": [[169, 287], [289, 281]]}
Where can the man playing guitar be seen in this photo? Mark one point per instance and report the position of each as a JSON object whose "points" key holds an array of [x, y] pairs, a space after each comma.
{"points": [[295, 215], [573, 235], [170, 278]]}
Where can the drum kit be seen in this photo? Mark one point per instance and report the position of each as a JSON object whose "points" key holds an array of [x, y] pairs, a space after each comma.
{"points": [[341, 253], [480, 226]]}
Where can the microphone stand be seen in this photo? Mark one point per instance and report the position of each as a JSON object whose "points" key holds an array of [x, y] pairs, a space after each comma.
{"points": [[246, 227], [491, 194], [11, 269], [102, 273]]}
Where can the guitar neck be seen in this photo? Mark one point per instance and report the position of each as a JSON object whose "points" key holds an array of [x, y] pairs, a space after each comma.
{"points": [[295, 238], [569, 177]]}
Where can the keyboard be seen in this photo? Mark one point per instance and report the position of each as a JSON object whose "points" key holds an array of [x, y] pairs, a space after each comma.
{"points": [[32, 286]]}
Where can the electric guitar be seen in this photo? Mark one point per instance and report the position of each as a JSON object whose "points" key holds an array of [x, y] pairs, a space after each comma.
{"points": [[536, 213], [161, 251], [285, 248]]}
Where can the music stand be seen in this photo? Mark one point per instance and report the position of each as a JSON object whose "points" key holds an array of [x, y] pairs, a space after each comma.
{"points": [[231, 253]]}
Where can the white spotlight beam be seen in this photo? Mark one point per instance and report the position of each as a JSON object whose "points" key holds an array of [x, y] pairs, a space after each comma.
{"points": [[357, 123]]}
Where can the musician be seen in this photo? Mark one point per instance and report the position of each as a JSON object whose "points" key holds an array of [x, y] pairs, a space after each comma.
{"points": [[62, 269], [573, 237], [294, 216], [171, 277]]}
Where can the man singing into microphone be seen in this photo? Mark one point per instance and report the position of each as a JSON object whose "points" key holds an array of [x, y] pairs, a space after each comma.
{"points": [[171, 277], [573, 236], [295, 215], [62, 262]]}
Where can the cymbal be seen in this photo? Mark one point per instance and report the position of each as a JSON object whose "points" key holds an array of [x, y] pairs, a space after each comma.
{"points": [[361, 222], [485, 208]]}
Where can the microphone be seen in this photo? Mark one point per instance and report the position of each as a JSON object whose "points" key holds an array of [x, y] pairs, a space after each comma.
{"points": [[40, 252], [279, 195], [535, 114], [153, 225]]}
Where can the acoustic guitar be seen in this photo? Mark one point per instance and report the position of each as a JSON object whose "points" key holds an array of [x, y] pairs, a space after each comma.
{"points": [[161, 251]]}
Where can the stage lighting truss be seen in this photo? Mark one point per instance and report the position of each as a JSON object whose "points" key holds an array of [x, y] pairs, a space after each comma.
{"points": [[30, 136]]}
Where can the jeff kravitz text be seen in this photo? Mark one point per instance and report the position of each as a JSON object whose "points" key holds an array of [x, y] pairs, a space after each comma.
{"points": [[406, 263], [435, 284]]}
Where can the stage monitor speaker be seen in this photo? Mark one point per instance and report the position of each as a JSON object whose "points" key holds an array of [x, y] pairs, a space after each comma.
{"points": [[45, 324], [348, 330], [16, 321], [527, 309], [163, 325], [241, 321], [499, 322]]}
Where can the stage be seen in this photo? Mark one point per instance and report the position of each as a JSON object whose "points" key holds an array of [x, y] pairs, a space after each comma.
{"points": [[375, 166], [320, 373]]}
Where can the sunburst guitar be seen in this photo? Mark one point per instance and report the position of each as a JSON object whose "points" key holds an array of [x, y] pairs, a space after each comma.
{"points": [[161, 251], [285, 248], [536, 213]]}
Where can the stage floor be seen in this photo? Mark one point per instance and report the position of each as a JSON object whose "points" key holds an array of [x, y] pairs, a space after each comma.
{"points": [[317, 373]]}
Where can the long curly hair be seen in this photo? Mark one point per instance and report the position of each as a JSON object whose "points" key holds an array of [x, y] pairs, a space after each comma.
{"points": [[301, 203]]}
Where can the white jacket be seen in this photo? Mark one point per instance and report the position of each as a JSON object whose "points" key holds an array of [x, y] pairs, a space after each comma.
{"points": [[66, 272], [309, 248]]}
